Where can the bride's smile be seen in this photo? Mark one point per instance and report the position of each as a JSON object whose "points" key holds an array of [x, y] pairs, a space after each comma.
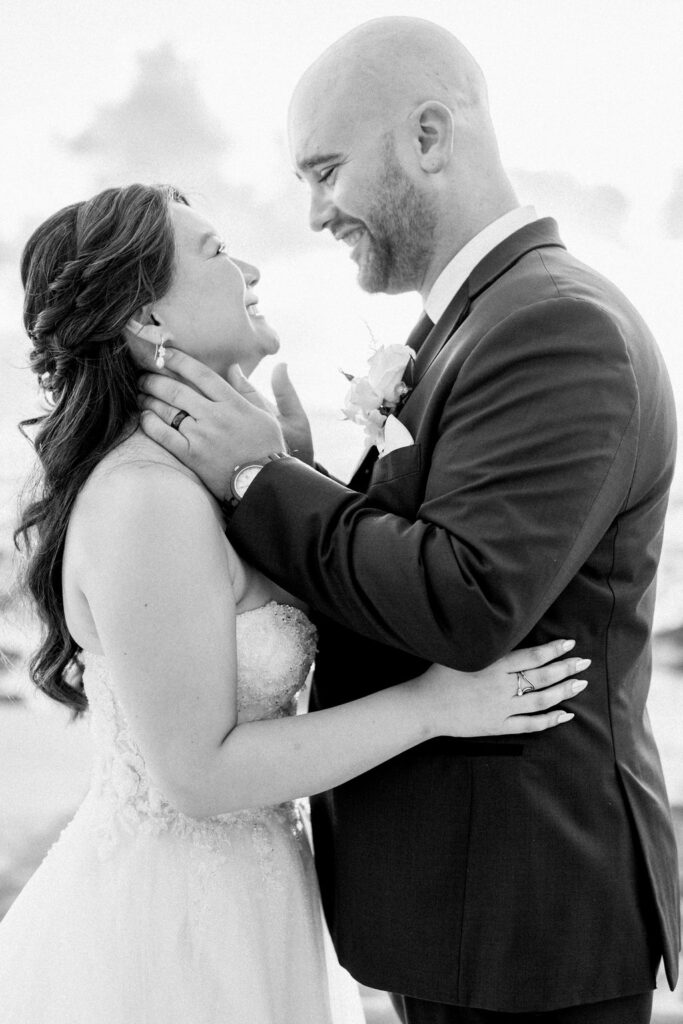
{"points": [[211, 309]]}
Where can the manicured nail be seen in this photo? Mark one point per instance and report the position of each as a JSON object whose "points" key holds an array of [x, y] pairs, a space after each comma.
{"points": [[564, 716], [578, 685], [582, 663], [568, 644], [168, 354]]}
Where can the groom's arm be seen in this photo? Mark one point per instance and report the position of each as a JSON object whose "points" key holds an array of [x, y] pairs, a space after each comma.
{"points": [[534, 460]]}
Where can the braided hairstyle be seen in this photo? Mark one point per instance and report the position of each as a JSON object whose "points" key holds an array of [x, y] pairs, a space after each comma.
{"points": [[86, 271]]}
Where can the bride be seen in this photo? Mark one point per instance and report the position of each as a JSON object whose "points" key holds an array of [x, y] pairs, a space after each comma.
{"points": [[183, 890]]}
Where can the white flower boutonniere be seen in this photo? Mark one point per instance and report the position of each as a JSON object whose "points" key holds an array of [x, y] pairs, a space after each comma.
{"points": [[372, 398]]}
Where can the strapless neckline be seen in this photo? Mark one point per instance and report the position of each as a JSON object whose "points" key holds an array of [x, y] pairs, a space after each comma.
{"points": [[272, 604]]}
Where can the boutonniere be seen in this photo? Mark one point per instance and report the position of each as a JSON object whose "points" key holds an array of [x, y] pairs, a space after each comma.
{"points": [[372, 398]]}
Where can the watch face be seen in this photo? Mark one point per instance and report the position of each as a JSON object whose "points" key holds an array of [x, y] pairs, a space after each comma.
{"points": [[245, 476]]}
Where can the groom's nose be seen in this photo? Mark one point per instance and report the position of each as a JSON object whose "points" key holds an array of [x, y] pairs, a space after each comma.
{"points": [[322, 210]]}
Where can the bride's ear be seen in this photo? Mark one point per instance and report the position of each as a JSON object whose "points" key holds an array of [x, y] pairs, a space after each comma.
{"points": [[151, 332], [140, 335]]}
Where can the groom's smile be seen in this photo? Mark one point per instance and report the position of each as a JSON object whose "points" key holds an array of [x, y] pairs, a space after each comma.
{"points": [[362, 189], [350, 237], [353, 238]]}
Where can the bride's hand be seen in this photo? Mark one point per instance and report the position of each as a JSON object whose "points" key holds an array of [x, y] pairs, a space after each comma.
{"points": [[486, 703]]}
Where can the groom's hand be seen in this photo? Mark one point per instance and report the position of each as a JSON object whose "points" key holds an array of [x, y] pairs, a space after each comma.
{"points": [[292, 416], [228, 423]]}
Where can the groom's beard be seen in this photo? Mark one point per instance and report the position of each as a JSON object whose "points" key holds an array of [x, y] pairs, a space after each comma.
{"points": [[400, 232]]}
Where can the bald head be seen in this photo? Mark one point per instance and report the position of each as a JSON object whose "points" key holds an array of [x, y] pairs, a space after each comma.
{"points": [[385, 68], [390, 128]]}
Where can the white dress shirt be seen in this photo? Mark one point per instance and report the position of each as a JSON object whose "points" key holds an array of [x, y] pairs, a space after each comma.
{"points": [[455, 273]]}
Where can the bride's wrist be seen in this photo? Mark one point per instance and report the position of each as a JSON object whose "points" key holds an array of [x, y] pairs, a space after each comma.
{"points": [[424, 707]]}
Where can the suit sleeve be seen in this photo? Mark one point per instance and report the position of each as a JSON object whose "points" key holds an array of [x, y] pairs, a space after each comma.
{"points": [[534, 458]]}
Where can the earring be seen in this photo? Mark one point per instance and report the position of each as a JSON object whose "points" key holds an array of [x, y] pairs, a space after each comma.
{"points": [[160, 354]]}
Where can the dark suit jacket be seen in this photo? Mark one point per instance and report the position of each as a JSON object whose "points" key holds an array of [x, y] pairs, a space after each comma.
{"points": [[515, 873]]}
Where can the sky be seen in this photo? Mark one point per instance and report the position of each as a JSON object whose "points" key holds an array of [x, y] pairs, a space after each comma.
{"points": [[584, 94], [591, 89]]}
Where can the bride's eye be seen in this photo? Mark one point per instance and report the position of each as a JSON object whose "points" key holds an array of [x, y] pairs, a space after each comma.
{"points": [[222, 249]]}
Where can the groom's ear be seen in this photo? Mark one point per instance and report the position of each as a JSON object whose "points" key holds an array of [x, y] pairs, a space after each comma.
{"points": [[433, 135]]}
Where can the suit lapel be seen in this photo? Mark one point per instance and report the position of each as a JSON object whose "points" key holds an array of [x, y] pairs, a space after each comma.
{"points": [[541, 234], [454, 315]]}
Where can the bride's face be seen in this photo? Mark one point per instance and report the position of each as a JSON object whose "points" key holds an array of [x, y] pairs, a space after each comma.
{"points": [[210, 310]]}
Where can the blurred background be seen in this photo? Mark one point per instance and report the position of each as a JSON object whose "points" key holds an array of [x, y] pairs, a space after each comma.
{"points": [[587, 101]]}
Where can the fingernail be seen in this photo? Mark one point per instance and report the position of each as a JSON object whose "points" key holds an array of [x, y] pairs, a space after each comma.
{"points": [[582, 663], [568, 644], [168, 354], [578, 685], [564, 716]]}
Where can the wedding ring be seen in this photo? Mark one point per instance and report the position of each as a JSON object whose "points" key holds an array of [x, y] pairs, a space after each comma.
{"points": [[178, 419], [521, 690]]}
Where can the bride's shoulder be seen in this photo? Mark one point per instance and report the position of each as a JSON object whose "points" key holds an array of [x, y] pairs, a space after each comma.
{"points": [[137, 453], [139, 466], [141, 507], [138, 482]]}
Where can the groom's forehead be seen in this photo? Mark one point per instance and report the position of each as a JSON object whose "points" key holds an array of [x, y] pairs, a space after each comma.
{"points": [[321, 131]]}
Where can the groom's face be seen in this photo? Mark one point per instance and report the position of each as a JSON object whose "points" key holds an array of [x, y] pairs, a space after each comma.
{"points": [[362, 194]]}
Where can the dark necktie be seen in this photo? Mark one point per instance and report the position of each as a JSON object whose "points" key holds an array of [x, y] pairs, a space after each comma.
{"points": [[415, 339], [419, 332]]}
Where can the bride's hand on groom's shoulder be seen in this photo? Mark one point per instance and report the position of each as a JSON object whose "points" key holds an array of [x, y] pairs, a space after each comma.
{"points": [[514, 695]]}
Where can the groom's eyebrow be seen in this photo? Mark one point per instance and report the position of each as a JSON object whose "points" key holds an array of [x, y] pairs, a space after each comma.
{"points": [[313, 161]]}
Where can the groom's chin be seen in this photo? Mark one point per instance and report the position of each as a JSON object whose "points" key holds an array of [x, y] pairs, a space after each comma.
{"points": [[375, 274], [370, 279], [374, 282]]}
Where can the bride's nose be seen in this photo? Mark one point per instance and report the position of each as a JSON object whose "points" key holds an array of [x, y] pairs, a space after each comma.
{"points": [[251, 274]]}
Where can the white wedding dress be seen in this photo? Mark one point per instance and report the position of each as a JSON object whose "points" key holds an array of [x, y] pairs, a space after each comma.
{"points": [[142, 915]]}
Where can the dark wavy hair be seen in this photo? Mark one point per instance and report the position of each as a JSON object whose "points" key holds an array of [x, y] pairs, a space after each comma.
{"points": [[85, 271]]}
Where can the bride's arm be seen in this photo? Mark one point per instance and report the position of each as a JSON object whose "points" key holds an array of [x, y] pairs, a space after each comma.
{"points": [[159, 586]]}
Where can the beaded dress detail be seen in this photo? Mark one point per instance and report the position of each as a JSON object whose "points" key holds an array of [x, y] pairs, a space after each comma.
{"points": [[166, 919]]}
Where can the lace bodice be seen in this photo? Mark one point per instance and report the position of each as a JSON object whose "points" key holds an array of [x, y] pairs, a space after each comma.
{"points": [[275, 649]]}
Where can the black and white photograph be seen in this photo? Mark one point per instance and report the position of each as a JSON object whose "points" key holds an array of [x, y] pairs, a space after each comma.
{"points": [[341, 524]]}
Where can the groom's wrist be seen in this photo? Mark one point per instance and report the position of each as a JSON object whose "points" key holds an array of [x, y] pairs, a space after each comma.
{"points": [[242, 477]]}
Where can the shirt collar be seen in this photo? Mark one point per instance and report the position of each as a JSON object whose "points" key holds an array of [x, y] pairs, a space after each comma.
{"points": [[455, 273]]}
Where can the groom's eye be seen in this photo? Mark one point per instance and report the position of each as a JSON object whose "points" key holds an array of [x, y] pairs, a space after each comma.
{"points": [[325, 175]]}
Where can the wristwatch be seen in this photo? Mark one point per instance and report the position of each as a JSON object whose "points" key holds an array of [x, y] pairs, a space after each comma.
{"points": [[242, 478]]}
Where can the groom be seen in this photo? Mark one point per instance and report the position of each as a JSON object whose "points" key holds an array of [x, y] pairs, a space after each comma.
{"points": [[507, 879]]}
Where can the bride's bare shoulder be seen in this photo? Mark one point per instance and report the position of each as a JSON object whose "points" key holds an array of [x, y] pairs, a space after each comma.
{"points": [[135, 465], [135, 454], [139, 481]]}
